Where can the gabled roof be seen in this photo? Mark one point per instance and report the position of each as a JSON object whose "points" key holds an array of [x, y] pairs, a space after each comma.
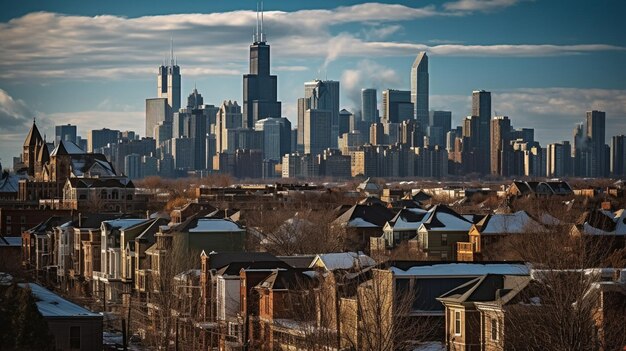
{"points": [[286, 279], [442, 217], [51, 305], [342, 260], [406, 203], [48, 224], [218, 260], [66, 147], [489, 287], [92, 183], [83, 164], [368, 185], [365, 216], [407, 219], [464, 269], [123, 223], [217, 225], [419, 196], [500, 223], [299, 261], [234, 268]]}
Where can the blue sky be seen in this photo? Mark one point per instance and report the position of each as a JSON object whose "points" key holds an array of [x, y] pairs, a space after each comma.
{"points": [[94, 63]]}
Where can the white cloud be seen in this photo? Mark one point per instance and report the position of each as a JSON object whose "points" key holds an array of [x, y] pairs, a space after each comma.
{"points": [[50, 45], [353, 80], [479, 5]]}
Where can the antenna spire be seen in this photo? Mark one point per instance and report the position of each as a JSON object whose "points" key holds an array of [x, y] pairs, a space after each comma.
{"points": [[172, 51], [262, 34]]}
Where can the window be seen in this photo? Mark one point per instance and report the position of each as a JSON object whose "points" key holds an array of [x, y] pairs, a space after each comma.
{"points": [[457, 322], [494, 329], [8, 220], [23, 219], [75, 338], [444, 239]]}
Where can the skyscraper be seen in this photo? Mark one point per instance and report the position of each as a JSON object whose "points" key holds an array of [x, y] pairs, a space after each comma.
{"points": [[168, 83], [397, 106], [259, 87], [596, 132], [500, 145], [481, 107], [276, 137], [419, 90], [66, 132], [194, 100], [157, 112], [369, 106], [316, 131], [618, 155], [440, 123], [324, 95]]}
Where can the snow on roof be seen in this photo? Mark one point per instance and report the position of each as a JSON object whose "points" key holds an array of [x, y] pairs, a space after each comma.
{"points": [[11, 241], [449, 221], [463, 269], [52, 305], [517, 222], [361, 223], [123, 223], [70, 148], [215, 225], [343, 260]]}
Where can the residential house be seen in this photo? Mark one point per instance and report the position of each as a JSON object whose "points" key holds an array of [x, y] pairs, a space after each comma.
{"points": [[38, 248], [440, 231], [360, 223], [475, 312], [534, 188], [73, 327], [10, 253], [491, 229]]}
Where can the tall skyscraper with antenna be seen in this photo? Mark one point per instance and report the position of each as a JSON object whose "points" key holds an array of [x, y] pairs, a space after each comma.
{"points": [[260, 98], [168, 83]]}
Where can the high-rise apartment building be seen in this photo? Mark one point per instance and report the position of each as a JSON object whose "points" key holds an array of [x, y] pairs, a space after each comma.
{"points": [[369, 106], [228, 118], [440, 123], [323, 95], [260, 99], [419, 90], [101, 137]]}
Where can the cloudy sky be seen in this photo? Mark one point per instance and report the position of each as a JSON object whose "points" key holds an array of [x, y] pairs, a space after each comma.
{"points": [[94, 63]]}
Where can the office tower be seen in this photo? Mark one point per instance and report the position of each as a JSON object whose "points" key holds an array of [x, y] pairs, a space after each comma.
{"points": [[156, 112], [481, 107], [162, 132], [534, 164], [168, 84], [210, 111], [82, 143], [101, 137], [324, 95], [525, 134], [596, 121], [369, 106], [500, 145], [409, 134], [194, 100], [149, 166], [377, 134], [349, 142], [124, 147], [333, 164], [581, 154], [344, 121], [66, 132], [397, 106], [419, 90], [132, 166], [440, 122], [198, 132], [303, 105], [276, 137], [450, 138], [183, 153], [557, 157], [259, 87], [317, 131], [229, 117], [618, 155]]}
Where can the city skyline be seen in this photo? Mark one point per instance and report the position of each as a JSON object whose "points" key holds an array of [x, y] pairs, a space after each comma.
{"points": [[357, 53]]}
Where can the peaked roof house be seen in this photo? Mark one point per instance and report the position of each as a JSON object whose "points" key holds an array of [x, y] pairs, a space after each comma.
{"points": [[533, 188], [360, 223], [439, 232], [492, 228], [475, 317]]}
